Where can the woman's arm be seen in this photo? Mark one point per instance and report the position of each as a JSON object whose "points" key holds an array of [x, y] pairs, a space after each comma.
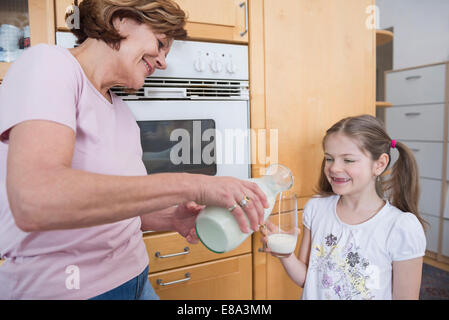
{"points": [[407, 279], [45, 193]]}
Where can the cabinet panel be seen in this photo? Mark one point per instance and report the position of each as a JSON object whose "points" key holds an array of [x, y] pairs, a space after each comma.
{"points": [[429, 156], [308, 86], [226, 279], [221, 20], [173, 243], [416, 86], [445, 250], [424, 122], [432, 232], [430, 198]]}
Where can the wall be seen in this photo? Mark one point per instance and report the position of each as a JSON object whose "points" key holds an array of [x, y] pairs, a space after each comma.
{"points": [[421, 30]]}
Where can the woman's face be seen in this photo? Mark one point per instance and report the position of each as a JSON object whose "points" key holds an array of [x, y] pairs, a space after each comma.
{"points": [[141, 53]]}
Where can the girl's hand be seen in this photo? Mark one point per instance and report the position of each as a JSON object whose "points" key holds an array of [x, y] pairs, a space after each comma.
{"points": [[184, 218], [225, 192], [268, 229]]}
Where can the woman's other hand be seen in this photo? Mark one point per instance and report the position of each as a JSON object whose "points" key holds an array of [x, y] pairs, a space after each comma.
{"points": [[184, 218]]}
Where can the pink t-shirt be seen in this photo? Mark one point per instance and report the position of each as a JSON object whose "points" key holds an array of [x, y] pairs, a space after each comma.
{"points": [[48, 83]]}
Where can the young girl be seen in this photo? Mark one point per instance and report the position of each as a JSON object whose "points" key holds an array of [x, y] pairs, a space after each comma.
{"points": [[358, 242]]}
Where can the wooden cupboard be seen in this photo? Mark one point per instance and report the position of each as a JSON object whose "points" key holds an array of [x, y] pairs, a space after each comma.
{"points": [[211, 20], [312, 63]]}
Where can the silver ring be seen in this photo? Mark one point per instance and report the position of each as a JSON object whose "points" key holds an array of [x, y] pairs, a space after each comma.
{"points": [[244, 202], [233, 207]]}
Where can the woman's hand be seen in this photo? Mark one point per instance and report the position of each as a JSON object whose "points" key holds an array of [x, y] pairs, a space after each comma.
{"points": [[184, 218], [225, 192]]}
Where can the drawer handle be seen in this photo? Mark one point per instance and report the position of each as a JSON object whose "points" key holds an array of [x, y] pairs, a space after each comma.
{"points": [[161, 283], [186, 251], [413, 78], [409, 114], [414, 150]]}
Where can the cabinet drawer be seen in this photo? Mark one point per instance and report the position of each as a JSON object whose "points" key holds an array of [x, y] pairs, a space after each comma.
{"points": [[433, 229], [430, 198], [424, 122], [161, 245], [225, 279], [416, 86], [429, 156]]}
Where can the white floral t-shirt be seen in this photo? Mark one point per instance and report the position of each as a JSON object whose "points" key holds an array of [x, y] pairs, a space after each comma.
{"points": [[355, 261]]}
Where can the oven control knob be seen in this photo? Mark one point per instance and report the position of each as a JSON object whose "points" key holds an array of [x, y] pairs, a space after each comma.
{"points": [[219, 66], [199, 65], [214, 66], [231, 68]]}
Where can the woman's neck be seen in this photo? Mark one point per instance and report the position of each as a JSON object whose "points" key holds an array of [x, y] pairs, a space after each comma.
{"points": [[97, 61]]}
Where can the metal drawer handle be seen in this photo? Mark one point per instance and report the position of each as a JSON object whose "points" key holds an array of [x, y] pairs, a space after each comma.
{"points": [[161, 283], [186, 251], [243, 4], [413, 78], [409, 114], [414, 150]]}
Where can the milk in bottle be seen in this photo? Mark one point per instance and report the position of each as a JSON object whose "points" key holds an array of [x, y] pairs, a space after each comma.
{"points": [[217, 228]]}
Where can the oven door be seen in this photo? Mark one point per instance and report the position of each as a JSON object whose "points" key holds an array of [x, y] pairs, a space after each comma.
{"points": [[205, 137]]}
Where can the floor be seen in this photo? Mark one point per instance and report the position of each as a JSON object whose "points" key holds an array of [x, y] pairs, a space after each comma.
{"points": [[435, 280], [436, 264]]}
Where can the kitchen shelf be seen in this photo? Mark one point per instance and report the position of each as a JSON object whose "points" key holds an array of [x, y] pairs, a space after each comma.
{"points": [[383, 104], [383, 37]]}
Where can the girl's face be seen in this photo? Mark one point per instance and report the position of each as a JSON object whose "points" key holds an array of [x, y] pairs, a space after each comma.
{"points": [[141, 53], [348, 170]]}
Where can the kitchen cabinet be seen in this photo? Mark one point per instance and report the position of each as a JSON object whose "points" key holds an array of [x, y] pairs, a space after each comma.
{"points": [[312, 63], [38, 14], [419, 118], [212, 20], [179, 270]]}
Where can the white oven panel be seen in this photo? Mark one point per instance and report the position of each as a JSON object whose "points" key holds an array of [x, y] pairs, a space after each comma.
{"points": [[231, 122]]}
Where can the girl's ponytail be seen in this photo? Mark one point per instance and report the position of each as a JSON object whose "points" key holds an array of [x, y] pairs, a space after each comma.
{"points": [[402, 186]]}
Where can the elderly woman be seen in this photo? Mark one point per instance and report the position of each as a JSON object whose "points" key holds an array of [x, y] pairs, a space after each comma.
{"points": [[74, 193]]}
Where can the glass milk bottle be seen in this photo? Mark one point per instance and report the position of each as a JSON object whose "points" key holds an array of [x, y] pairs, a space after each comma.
{"points": [[217, 228]]}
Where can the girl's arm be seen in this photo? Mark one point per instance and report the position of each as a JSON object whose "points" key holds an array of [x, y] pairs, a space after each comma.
{"points": [[296, 267], [407, 279]]}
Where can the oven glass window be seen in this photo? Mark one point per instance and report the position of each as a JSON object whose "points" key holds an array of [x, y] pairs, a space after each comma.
{"points": [[179, 146]]}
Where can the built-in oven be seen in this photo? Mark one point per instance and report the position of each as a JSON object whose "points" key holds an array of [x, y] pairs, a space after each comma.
{"points": [[194, 116]]}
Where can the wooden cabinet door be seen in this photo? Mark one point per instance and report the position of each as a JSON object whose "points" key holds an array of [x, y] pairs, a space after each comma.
{"points": [[215, 20], [225, 279], [220, 20], [318, 62]]}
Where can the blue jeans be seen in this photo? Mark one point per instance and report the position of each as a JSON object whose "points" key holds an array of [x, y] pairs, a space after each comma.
{"points": [[138, 288]]}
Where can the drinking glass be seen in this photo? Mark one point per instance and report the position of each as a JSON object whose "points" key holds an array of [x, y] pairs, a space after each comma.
{"points": [[282, 226]]}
